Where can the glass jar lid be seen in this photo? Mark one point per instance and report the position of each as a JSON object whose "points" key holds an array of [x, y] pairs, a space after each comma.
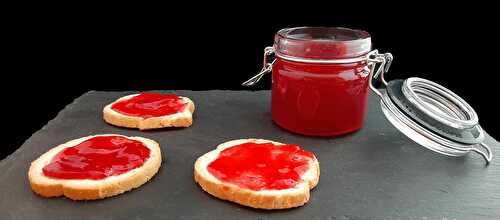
{"points": [[321, 43], [428, 113]]}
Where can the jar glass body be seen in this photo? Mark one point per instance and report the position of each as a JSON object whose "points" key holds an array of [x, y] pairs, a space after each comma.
{"points": [[318, 99]]}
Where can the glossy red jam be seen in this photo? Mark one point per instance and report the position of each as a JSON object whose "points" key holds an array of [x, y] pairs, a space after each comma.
{"points": [[97, 158], [261, 166], [147, 105], [319, 99]]}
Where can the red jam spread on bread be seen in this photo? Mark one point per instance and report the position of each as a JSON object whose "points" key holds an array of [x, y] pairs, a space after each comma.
{"points": [[97, 158], [147, 105], [261, 166]]}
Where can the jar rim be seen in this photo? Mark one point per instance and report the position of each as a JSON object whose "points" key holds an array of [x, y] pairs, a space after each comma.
{"points": [[322, 43], [285, 33]]}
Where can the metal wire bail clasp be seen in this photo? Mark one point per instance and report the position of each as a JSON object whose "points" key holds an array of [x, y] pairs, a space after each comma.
{"points": [[377, 65], [266, 67]]}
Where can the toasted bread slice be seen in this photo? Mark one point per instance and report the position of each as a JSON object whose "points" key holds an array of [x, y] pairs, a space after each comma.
{"points": [[87, 189], [264, 199], [180, 119]]}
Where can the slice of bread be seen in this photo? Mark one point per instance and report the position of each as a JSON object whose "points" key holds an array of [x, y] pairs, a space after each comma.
{"points": [[180, 119], [87, 189], [264, 199]]}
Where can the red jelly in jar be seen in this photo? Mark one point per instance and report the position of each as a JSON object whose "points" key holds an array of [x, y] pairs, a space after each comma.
{"points": [[320, 80]]}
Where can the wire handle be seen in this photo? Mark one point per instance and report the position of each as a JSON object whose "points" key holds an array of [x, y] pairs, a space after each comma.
{"points": [[266, 68], [378, 64]]}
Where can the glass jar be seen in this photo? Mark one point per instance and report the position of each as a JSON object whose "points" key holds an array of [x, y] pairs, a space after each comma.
{"points": [[320, 80]]}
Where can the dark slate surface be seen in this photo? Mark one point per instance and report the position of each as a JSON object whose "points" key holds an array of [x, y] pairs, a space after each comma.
{"points": [[375, 173]]}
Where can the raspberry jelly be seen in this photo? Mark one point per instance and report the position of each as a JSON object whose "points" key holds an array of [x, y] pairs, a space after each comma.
{"points": [[261, 166], [320, 80], [147, 105], [97, 158]]}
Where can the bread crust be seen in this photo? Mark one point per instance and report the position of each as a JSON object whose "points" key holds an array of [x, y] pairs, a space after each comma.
{"points": [[263, 199], [86, 189], [181, 119]]}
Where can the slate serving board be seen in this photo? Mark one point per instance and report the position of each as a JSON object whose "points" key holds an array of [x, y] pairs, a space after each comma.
{"points": [[375, 173]]}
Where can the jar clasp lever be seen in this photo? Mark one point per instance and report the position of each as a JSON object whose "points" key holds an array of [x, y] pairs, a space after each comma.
{"points": [[384, 61], [266, 68]]}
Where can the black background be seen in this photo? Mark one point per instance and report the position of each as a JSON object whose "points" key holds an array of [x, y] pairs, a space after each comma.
{"points": [[54, 57]]}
